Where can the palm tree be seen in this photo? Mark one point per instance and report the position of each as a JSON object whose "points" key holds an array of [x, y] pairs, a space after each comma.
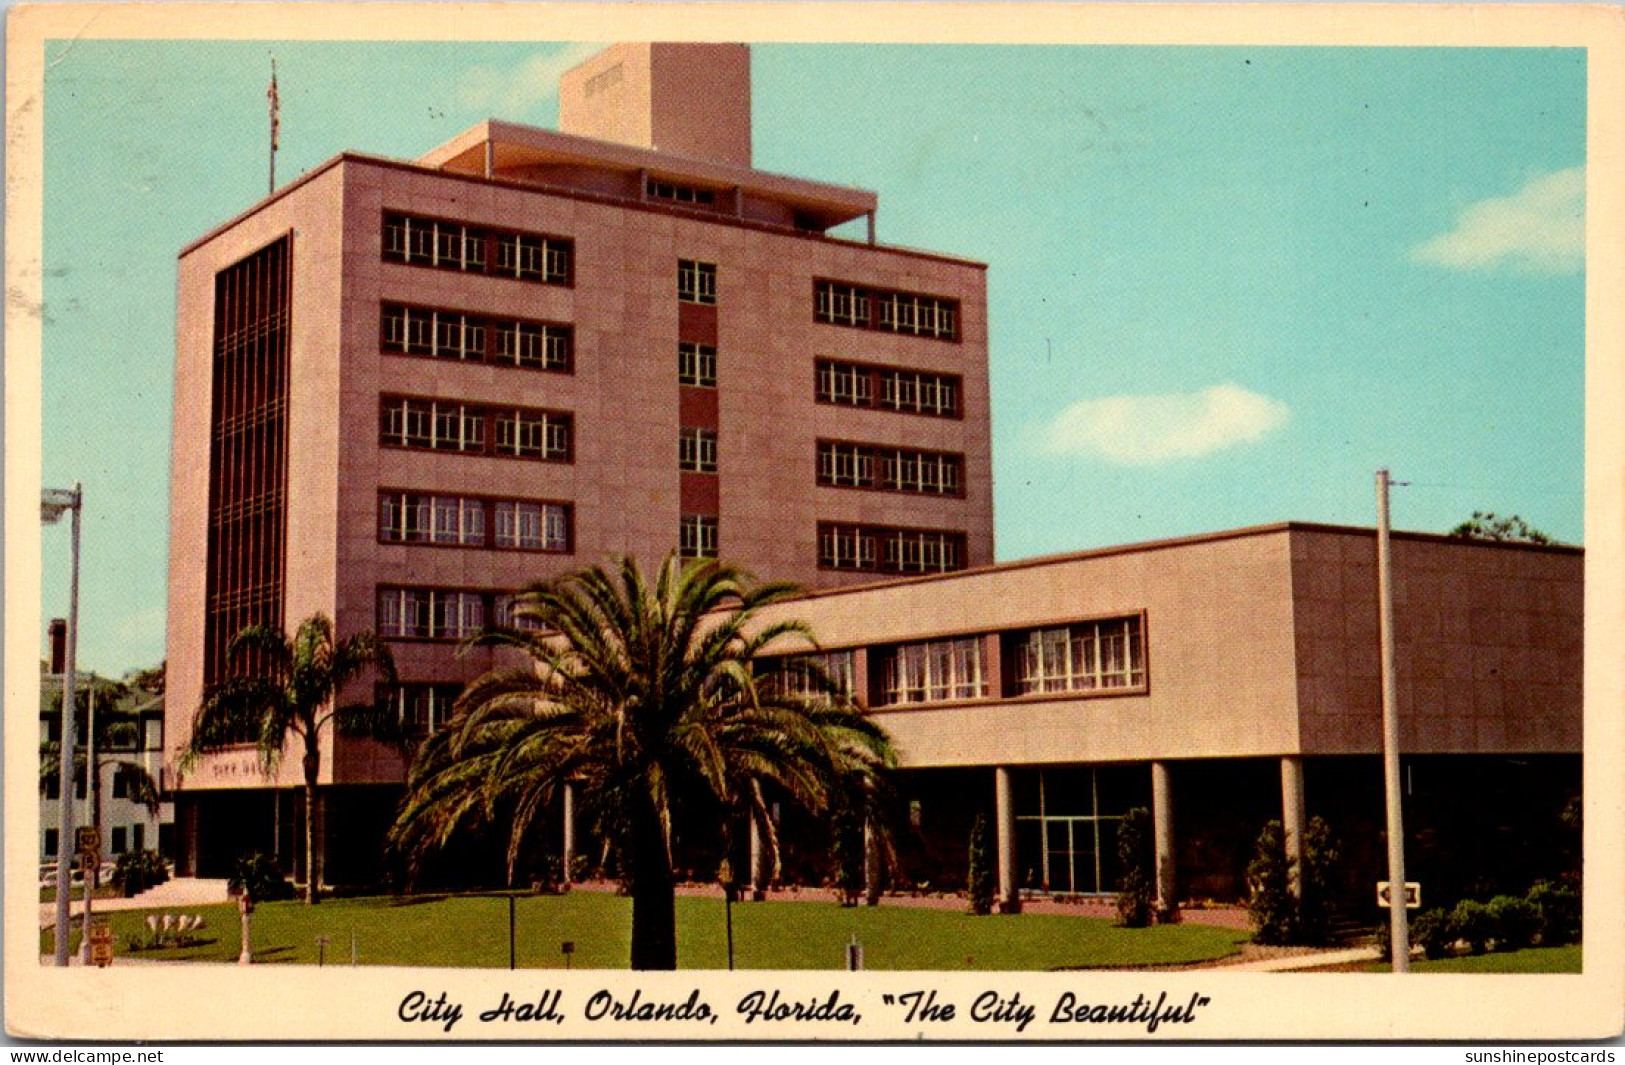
{"points": [[643, 698], [290, 688]]}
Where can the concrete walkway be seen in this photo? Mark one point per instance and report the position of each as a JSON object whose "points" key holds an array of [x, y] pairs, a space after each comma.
{"points": [[175, 893], [1312, 960]]}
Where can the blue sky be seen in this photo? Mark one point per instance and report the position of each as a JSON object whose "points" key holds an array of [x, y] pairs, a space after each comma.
{"points": [[1225, 284]]}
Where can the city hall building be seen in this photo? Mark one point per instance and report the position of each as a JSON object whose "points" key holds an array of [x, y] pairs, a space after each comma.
{"points": [[405, 389]]}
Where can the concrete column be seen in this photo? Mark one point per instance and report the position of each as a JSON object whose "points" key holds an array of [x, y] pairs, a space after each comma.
{"points": [[871, 865], [1162, 828], [567, 852], [1293, 818], [1004, 804], [758, 863]]}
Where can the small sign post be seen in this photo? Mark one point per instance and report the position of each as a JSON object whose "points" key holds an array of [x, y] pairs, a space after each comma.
{"points": [[567, 948], [321, 950], [101, 944], [88, 842], [1413, 895]]}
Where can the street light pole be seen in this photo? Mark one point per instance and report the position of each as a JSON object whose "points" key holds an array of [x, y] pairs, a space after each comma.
{"points": [[1398, 920], [53, 501], [92, 815]]}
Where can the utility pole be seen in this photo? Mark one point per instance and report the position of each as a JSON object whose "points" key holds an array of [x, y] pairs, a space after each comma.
{"points": [[1398, 920]]}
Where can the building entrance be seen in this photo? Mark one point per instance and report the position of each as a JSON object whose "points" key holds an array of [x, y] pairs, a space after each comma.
{"points": [[1066, 827]]}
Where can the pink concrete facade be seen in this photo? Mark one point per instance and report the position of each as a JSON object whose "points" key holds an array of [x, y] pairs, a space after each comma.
{"points": [[1257, 643], [688, 100], [622, 482]]}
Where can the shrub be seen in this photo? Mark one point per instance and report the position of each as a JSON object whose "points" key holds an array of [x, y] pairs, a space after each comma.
{"points": [[847, 855], [1516, 921], [1432, 931], [1559, 907], [1270, 905], [1136, 886], [1470, 920], [136, 871], [1320, 857], [258, 877], [979, 879]]}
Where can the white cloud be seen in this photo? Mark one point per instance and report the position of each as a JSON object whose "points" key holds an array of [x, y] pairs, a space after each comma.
{"points": [[1538, 229], [512, 93], [1142, 430]]}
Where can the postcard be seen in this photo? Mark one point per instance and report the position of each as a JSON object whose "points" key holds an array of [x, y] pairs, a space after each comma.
{"points": [[814, 522]]}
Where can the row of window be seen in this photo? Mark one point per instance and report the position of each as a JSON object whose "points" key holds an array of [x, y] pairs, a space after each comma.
{"points": [[445, 334], [450, 245], [1106, 655], [470, 249], [839, 303], [1091, 656], [852, 384], [880, 549], [472, 521], [448, 425], [890, 469], [123, 838], [444, 613], [666, 190]]}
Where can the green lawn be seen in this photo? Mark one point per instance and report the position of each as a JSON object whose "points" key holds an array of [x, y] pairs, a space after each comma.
{"points": [[1532, 960], [77, 892], [473, 931]]}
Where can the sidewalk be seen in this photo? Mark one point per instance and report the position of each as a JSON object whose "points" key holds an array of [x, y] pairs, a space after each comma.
{"points": [[175, 893], [1312, 960]]}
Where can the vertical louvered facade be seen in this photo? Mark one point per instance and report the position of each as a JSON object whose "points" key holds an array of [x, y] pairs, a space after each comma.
{"points": [[248, 451]]}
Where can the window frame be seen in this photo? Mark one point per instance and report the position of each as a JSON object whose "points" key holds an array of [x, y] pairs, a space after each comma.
{"points": [[485, 417], [697, 282], [875, 377], [437, 608], [1012, 651], [696, 364], [406, 500], [854, 306], [701, 525], [876, 534], [697, 449], [488, 239], [868, 464]]}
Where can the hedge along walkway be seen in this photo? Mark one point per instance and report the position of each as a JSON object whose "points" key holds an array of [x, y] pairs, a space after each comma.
{"points": [[472, 931]]}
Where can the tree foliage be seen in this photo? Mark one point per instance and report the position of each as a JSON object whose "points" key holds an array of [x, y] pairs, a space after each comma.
{"points": [[1270, 905], [1136, 885], [1318, 881], [980, 876], [1485, 525], [647, 698], [289, 688]]}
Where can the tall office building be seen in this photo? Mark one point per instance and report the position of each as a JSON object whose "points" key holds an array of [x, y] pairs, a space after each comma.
{"points": [[404, 389]]}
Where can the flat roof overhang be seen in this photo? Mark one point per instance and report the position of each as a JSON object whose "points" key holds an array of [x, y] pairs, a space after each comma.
{"points": [[514, 147]]}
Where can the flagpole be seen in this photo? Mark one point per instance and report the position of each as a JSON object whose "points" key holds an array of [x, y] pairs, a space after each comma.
{"points": [[275, 105]]}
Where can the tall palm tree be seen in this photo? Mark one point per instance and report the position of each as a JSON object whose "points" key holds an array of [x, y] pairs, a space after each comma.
{"points": [[290, 688], [641, 697]]}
